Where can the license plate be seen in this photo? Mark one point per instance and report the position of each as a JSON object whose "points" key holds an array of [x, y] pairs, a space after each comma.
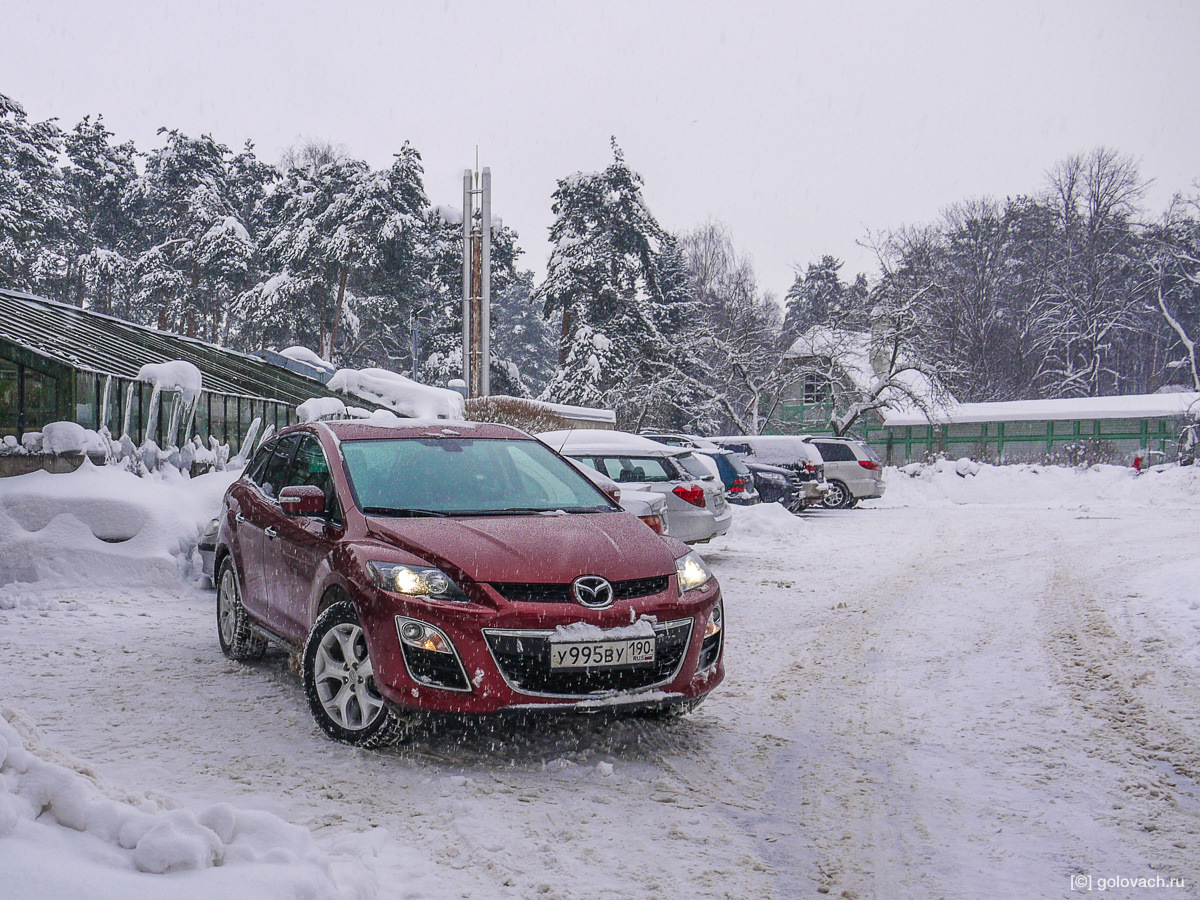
{"points": [[602, 654]]}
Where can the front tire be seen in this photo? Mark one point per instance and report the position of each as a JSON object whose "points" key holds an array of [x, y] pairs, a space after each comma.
{"points": [[238, 640], [339, 682]]}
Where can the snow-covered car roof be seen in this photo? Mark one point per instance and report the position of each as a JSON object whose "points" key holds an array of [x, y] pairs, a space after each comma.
{"points": [[596, 440]]}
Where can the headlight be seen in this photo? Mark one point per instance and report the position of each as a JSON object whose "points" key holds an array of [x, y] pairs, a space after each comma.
{"points": [[417, 581], [212, 528], [692, 572]]}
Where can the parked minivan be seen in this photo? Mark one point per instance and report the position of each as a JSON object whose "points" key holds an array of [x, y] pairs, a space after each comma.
{"points": [[852, 469]]}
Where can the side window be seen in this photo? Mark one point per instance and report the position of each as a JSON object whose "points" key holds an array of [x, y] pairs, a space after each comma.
{"points": [[309, 467], [276, 469], [834, 452], [254, 471]]}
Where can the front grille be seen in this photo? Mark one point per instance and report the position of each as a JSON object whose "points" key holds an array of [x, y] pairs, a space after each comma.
{"points": [[534, 592], [523, 658]]}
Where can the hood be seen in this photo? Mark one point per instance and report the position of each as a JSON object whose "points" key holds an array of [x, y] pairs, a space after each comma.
{"points": [[544, 549]]}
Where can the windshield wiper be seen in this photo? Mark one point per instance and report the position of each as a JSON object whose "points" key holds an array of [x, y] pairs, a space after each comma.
{"points": [[401, 511], [529, 510]]}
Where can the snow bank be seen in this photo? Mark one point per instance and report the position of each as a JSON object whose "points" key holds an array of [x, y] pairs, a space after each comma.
{"points": [[764, 521], [64, 834], [104, 525], [399, 394], [948, 482]]}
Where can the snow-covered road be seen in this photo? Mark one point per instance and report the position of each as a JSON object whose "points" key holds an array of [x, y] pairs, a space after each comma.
{"points": [[929, 698]]}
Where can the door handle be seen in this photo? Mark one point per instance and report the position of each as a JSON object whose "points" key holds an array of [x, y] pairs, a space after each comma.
{"points": [[270, 532], [239, 518]]}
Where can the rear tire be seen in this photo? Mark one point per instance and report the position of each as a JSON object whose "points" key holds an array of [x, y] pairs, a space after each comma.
{"points": [[238, 640], [339, 682], [838, 496]]}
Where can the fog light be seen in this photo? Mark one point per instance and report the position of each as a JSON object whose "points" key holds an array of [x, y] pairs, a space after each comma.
{"points": [[714, 622], [412, 632]]}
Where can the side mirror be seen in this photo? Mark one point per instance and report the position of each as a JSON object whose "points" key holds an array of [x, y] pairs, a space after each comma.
{"points": [[302, 500]]}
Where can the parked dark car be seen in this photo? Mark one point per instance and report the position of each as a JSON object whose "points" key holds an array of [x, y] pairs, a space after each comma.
{"points": [[455, 568], [776, 484], [793, 453]]}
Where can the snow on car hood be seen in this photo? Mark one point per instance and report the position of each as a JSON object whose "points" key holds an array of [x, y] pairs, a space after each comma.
{"points": [[533, 548]]}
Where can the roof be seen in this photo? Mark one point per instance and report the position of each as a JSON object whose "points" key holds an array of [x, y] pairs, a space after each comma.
{"points": [[596, 440], [1129, 406], [93, 342]]}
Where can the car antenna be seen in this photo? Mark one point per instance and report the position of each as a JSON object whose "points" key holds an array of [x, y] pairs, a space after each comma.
{"points": [[570, 431]]}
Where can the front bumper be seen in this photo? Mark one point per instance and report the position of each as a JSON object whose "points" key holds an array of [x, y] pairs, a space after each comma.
{"points": [[503, 653]]}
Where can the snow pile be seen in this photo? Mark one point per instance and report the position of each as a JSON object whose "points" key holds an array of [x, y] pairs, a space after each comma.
{"points": [[71, 437], [317, 408], [399, 394], [583, 631], [104, 525], [176, 375], [949, 482], [63, 834], [304, 355], [764, 521]]}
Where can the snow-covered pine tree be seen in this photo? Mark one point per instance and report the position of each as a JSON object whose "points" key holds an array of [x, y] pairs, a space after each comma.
{"points": [[335, 216], [602, 280], [35, 222], [197, 252], [97, 178]]}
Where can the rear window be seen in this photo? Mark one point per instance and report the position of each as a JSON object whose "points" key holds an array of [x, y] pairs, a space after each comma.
{"points": [[693, 466], [632, 469]]}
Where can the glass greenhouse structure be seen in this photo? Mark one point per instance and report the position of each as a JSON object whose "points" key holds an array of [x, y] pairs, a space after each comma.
{"points": [[62, 363]]}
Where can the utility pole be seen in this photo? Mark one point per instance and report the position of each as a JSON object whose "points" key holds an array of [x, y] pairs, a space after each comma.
{"points": [[477, 281]]}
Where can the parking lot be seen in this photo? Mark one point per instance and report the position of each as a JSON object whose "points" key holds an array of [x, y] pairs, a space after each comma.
{"points": [[934, 699]]}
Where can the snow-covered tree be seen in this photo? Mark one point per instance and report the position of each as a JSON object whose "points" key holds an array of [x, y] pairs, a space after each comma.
{"points": [[35, 216], [603, 280]]}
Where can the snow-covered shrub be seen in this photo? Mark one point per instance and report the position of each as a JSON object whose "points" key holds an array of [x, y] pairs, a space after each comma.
{"points": [[528, 415]]}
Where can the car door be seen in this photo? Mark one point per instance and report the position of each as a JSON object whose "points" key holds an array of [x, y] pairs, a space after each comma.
{"points": [[259, 519], [256, 518], [301, 543]]}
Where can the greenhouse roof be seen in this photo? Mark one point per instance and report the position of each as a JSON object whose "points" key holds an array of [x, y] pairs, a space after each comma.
{"points": [[93, 342]]}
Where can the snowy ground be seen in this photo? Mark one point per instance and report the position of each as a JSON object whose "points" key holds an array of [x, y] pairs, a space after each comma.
{"points": [[982, 686]]}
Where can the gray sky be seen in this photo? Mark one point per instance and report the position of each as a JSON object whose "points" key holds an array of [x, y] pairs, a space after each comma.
{"points": [[801, 126]]}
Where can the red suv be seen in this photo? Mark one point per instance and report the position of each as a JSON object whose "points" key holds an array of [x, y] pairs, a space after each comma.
{"points": [[459, 568]]}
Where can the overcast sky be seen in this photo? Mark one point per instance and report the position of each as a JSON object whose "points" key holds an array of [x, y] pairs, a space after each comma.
{"points": [[801, 126]]}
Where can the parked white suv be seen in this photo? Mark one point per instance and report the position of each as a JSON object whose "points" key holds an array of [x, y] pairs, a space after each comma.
{"points": [[852, 469]]}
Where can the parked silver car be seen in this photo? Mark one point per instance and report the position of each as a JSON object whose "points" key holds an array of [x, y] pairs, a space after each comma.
{"points": [[852, 469], [794, 453], [648, 506], [696, 507], [739, 483]]}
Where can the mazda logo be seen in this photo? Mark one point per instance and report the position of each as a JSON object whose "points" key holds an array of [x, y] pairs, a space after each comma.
{"points": [[593, 591]]}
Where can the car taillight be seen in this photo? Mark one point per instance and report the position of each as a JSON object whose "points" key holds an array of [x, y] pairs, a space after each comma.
{"points": [[692, 493], [810, 468], [738, 486], [868, 464], [655, 523]]}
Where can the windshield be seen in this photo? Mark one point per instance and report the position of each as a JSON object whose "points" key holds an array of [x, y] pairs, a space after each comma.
{"points": [[465, 476]]}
